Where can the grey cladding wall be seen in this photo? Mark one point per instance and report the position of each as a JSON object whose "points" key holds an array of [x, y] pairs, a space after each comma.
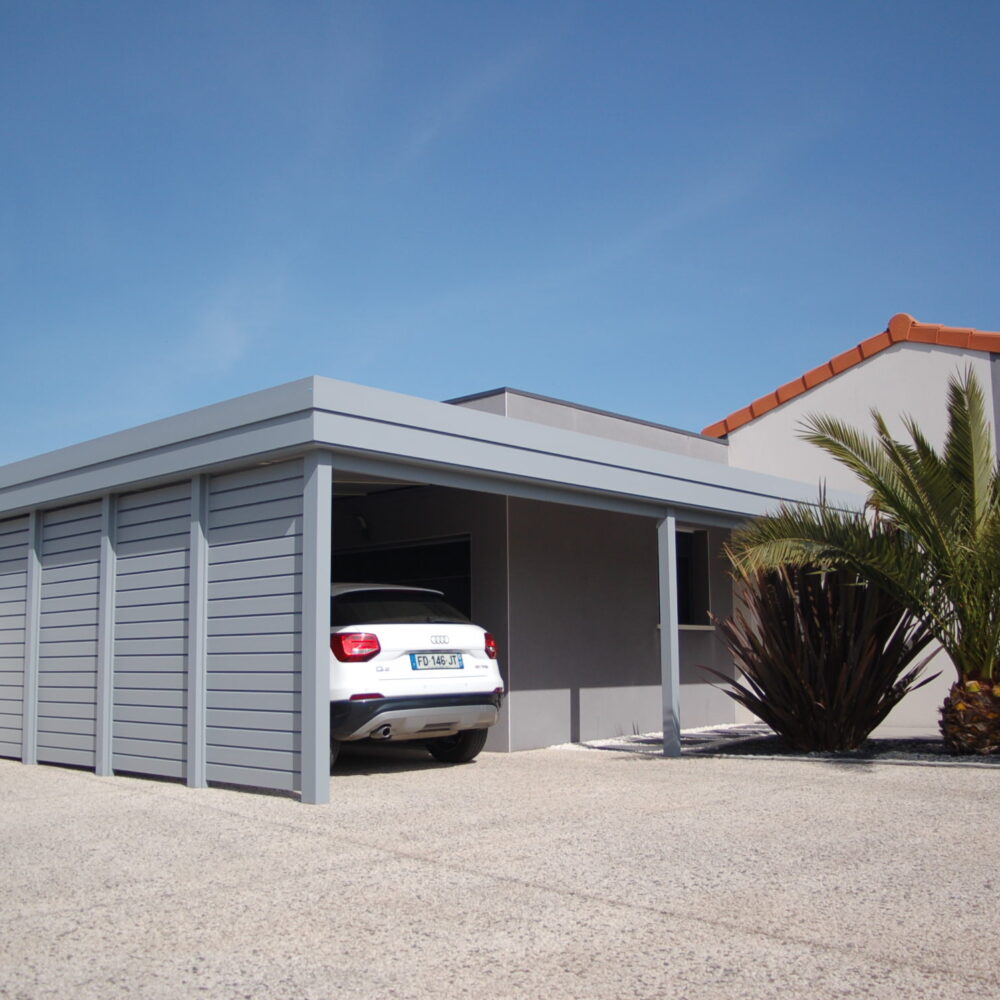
{"points": [[151, 595], [149, 633], [254, 626], [13, 586], [67, 646]]}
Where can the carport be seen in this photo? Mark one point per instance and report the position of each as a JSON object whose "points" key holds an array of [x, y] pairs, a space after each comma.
{"points": [[164, 591]]}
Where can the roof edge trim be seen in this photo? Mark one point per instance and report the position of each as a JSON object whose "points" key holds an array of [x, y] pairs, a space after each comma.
{"points": [[902, 328]]}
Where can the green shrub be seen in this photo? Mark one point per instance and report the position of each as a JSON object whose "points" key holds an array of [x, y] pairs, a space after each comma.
{"points": [[823, 656]]}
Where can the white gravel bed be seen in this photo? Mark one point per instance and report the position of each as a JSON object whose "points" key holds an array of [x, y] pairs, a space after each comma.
{"points": [[757, 741]]}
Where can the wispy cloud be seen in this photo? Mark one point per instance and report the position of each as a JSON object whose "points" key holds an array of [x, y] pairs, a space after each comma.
{"points": [[223, 336], [221, 340], [452, 108], [752, 160], [139, 373], [237, 315]]}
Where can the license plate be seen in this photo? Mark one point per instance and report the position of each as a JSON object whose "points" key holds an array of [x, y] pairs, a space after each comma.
{"points": [[436, 661]]}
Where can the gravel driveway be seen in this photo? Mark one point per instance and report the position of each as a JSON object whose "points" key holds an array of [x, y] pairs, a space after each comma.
{"points": [[547, 874]]}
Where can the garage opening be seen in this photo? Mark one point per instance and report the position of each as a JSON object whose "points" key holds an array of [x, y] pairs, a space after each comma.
{"points": [[570, 592]]}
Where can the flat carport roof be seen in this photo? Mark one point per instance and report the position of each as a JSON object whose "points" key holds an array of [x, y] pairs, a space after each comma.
{"points": [[356, 432], [372, 431]]}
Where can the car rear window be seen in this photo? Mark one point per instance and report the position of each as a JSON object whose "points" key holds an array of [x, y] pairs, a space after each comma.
{"points": [[384, 607]]}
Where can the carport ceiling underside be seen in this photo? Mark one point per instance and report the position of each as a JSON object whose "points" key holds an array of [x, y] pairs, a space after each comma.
{"points": [[348, 484]]}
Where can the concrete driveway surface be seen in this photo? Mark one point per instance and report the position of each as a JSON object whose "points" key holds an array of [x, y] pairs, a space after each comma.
{"points": [[548, 874]]}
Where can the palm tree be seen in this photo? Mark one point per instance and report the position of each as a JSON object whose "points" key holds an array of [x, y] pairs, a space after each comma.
{"points": [[929, 535]]}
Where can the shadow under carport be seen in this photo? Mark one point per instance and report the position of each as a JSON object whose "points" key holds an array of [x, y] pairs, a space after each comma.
{"points": [[385, 758]]}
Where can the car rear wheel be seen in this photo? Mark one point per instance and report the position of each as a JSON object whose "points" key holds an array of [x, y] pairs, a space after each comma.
{"points": [[460, 748], [334, 751]]}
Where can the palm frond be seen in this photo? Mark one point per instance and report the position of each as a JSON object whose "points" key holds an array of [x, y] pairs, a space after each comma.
{"points": [[921, 505], [832, 539], [968, 449], [854, 450]]}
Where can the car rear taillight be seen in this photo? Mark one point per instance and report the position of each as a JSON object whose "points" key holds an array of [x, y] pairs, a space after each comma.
{"points": [[354, 647], [368, 696], [491, 646]]}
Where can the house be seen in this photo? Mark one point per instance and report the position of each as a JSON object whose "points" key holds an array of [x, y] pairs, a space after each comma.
{"points": [[903, 370], [164, 591]]}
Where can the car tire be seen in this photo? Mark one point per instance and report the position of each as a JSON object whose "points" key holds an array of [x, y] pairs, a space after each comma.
{"points": [[334, 752], [460, 748]]}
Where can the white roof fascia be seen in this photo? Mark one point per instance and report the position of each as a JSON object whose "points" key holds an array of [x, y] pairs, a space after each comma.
{"points": [[422, 431], [265, 422]]}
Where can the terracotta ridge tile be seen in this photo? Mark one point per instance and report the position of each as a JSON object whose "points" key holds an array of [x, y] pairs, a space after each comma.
{"points": [[964, 337], [983, 340], [923, 333], [717, 430], [816, 376], [739, 417], [953, 336], [764, 405], [790, 389], [899, 327], [846, 360], [875, 344]]}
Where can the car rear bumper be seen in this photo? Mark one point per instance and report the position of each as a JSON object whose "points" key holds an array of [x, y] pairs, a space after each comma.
{"points": [[413, 717]]}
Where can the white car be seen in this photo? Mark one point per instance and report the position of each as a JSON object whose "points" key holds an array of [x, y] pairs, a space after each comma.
{"points": [[406, 665]]}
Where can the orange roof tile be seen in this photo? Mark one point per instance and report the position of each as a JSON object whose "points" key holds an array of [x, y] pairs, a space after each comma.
{"points": [[901, 328]]}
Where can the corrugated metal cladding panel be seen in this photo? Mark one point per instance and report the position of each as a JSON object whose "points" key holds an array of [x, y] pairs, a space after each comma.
{"points": [[13, 593], [153, 533], [67, 662], [254, 626]]}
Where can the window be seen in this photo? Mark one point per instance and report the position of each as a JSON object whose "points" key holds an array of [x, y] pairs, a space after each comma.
{"points": [[693, 595]]}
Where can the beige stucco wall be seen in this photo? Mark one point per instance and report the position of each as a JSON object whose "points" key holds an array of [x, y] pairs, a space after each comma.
{"points": [[905, 379]]}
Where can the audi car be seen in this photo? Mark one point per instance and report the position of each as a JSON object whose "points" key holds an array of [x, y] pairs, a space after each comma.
{"points": [[406, 665]]}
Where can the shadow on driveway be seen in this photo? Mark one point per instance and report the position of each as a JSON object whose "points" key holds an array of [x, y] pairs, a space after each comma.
{"points": [[758, 740]]}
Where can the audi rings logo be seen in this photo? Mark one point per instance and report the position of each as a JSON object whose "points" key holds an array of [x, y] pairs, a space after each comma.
{"points": [[440, 640]]}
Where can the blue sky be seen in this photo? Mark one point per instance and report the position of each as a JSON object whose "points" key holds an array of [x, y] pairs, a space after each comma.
{"points": [[660, 208]]}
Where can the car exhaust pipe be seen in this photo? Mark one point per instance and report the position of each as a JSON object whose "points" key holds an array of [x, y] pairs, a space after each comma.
{"points": [[382, 733]]}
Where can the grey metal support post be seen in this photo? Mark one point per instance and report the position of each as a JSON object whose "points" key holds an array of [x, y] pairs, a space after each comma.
{"points": [[32, 623], [103, 744], [316, 545], [670, 657], [197, 664]]}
